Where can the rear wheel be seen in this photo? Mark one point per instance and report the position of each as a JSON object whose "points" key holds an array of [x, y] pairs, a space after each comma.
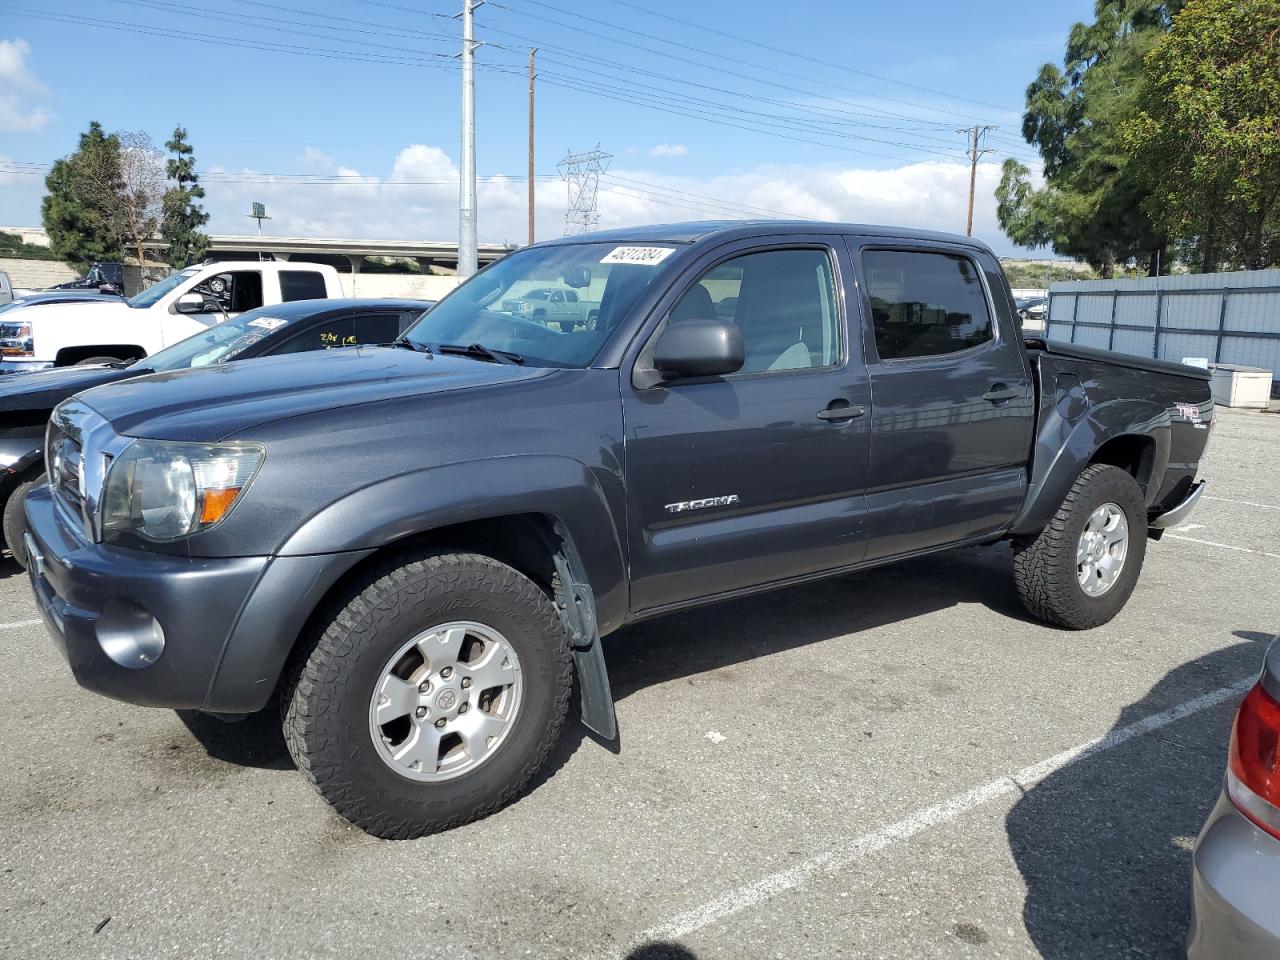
{"points": [[431, 696], [1080, 570], [95, 361]]}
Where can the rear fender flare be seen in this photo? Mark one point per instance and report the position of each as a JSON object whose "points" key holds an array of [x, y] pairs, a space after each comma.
{"points": [[1064, 448]]}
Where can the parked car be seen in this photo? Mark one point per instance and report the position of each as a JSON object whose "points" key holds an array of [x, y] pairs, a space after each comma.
{"points": [[69, 327], [1033, 308], [548, 305], [417, 550], [1236, 863], [105, 277], [27, 401]]}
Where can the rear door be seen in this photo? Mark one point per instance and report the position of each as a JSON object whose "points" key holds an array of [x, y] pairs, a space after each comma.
{"points": [[953, 397], [757, 476]]}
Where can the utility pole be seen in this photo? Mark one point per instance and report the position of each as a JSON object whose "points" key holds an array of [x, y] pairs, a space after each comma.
{"points": [[532, 52], [974, 153], [467, 253]]}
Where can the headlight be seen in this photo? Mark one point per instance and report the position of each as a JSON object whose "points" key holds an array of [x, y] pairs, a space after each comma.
{"points": [[160, 490], [16, 340]]}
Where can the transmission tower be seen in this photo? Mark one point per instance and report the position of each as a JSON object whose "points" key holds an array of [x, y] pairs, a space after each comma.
{"points": [[581, 171]]}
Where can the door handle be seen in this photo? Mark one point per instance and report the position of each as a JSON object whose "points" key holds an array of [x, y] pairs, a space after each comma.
{"points": [[999, 393], [839, 410]]}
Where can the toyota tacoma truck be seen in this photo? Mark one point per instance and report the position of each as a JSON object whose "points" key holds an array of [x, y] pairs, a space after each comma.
{"points": [[414, 550], [61, 331]]}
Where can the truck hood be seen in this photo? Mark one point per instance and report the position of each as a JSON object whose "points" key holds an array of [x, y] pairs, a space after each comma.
{"points": [[49, 311], [45, 389], [218, 401]]}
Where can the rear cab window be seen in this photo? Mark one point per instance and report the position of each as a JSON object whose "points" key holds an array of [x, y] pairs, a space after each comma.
{"points": [[302, 285], [925, 303]]}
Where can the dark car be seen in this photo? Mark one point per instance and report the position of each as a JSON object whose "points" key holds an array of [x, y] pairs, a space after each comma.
{"points": [[416, 551], [105, 277], [27, 399]]}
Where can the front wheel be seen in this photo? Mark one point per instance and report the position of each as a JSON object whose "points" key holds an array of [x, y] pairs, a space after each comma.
{"points": [[1081, 568], [431, 696], [15, 520]]}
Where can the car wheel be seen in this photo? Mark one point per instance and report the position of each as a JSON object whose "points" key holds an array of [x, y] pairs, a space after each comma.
{"points": [[540, 316], [95, 361], [430, 695], [1080, 570], [15, 520]]}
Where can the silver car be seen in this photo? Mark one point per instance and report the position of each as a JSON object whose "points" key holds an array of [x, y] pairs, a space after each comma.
{"points": [[1235, 886]]}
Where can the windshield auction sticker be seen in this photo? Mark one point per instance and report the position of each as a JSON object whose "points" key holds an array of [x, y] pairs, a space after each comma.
{"points": [[642, 256], [267, 323]]}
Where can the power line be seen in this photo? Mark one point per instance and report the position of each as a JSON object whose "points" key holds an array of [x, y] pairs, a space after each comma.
{"points": [[755, 77], [800, 56]]}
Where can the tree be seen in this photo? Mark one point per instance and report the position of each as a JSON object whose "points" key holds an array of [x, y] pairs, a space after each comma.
{"points": [[80, 211], [141, 191], [1091, 206], [183, 215], [1206, 136]]}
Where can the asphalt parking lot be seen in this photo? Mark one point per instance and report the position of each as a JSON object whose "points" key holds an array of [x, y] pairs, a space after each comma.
{"points": [[892, 764]]}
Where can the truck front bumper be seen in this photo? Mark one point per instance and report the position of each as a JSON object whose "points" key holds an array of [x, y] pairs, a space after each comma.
{"points": [[171, 631]]}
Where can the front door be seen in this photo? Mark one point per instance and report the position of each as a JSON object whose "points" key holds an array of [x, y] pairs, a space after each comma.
{"points": [[758, 476], [954, 404]]}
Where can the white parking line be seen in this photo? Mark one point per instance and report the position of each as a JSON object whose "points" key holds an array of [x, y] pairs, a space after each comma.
{"points": [[749, 895], [18, 623], [1243, 503], [1224, 546]]}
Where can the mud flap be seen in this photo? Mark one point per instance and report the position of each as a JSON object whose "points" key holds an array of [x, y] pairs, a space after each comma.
{"points": [[578, 609]]}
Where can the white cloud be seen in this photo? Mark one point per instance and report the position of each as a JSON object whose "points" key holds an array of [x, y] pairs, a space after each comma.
{"points": [[18, 87], [668, 150], [418, 198]]}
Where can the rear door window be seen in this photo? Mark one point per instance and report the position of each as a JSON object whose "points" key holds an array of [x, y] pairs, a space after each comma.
{"points": [[301, 285], [377, 327], [925, 304]]}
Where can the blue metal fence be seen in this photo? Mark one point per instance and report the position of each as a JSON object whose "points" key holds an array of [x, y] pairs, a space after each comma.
{"points": [[1223, 317]]}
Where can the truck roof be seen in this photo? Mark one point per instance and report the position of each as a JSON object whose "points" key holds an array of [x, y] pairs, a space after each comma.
{"points": [[693, 231], [268, 266]]}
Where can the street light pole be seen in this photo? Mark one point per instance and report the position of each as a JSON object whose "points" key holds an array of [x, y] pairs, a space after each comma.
{"points": [[467, 252]]}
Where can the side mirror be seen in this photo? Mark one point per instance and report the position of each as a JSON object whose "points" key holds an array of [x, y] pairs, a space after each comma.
{"points": [[698, 348], [191, 303]]}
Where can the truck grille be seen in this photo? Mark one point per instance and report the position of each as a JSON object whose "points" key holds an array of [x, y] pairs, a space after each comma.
{"points": [[65, 461]]}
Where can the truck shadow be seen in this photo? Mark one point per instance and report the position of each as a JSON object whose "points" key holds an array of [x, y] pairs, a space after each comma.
{"points": [[704, 639], [1104, 844], [737, 631]]}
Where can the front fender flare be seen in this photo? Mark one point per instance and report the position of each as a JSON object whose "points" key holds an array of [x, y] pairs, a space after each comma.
{"points": [[1064, 448], [425, 500]]}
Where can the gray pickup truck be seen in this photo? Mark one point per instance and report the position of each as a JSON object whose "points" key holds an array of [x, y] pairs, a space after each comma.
{"points": [[414, 550]]}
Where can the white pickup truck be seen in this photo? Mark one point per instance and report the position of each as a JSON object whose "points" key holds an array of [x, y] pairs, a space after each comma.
{"points": [[60, 333]]}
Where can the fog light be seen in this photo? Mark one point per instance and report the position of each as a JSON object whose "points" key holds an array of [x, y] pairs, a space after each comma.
{"points": [[129, 635]]}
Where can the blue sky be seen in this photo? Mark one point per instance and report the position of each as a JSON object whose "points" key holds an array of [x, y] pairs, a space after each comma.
{"points": [[343, 117]]}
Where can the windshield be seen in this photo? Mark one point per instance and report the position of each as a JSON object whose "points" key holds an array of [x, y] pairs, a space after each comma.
{"points": [[217, 344], [149, 296], [508, 307]]}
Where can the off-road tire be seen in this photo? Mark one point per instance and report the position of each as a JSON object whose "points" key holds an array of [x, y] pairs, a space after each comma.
{"points": [[1044, 566], [328, 684], [15, 520]]}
